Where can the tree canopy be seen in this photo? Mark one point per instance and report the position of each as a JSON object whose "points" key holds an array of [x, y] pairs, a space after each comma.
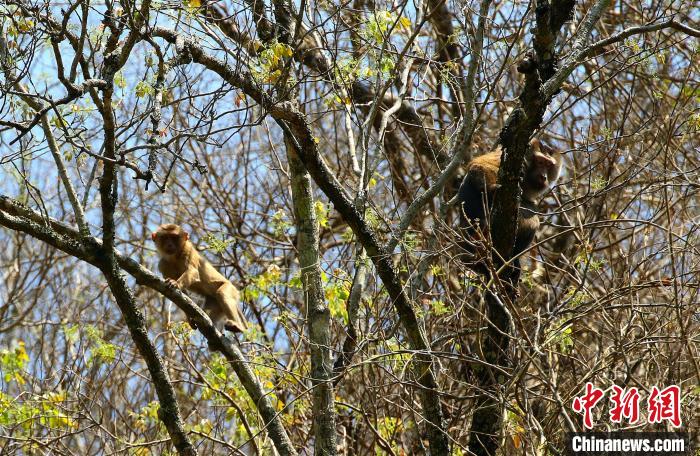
{"points": [[313, 151]]}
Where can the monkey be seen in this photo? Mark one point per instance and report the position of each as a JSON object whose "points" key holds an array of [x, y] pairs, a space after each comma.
{"points": [[183, 267], [476, 192]]}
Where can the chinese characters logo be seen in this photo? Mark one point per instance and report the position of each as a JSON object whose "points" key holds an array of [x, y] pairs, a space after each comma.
{"points": [[662, 405]]}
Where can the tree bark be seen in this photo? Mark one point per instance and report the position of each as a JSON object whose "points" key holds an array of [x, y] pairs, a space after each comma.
{"points": [[318, 316]]}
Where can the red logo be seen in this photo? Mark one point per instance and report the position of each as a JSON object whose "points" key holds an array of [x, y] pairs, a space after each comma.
{"points": [[662, 405], [625, 404], [586, 403], [665, 405]]}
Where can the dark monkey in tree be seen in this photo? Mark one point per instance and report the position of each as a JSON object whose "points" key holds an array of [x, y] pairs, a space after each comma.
{"points": [[185, 268], [478, 187]]}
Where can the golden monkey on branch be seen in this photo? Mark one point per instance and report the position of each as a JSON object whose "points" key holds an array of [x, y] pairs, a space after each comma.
{"points": [[185, 268], [476, 193]]}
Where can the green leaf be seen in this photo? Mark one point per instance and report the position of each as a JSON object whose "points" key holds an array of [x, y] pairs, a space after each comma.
{"points": [[120, 80], [143, 89], [321, 213]]}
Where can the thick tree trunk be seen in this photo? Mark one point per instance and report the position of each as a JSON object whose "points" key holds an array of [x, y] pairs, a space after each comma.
{"points": [[542, 81], [317, 313]]}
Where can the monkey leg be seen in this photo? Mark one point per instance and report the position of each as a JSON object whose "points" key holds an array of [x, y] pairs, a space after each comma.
{"points": [[227, 299]]}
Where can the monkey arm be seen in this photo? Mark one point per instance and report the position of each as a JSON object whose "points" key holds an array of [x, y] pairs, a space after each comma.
{"points": [[170, 272], [164, 269], [188, 278]]}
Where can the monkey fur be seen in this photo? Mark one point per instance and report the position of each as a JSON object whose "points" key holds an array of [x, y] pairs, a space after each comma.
{"points": [[479, 185]]}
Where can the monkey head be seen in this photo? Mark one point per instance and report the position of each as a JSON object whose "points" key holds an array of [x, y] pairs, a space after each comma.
{"points": [[170, 239], [542, 170]]}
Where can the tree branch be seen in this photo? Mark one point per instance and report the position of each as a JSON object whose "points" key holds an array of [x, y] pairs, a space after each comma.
{"points": [[318, 315], [597, 47]]}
